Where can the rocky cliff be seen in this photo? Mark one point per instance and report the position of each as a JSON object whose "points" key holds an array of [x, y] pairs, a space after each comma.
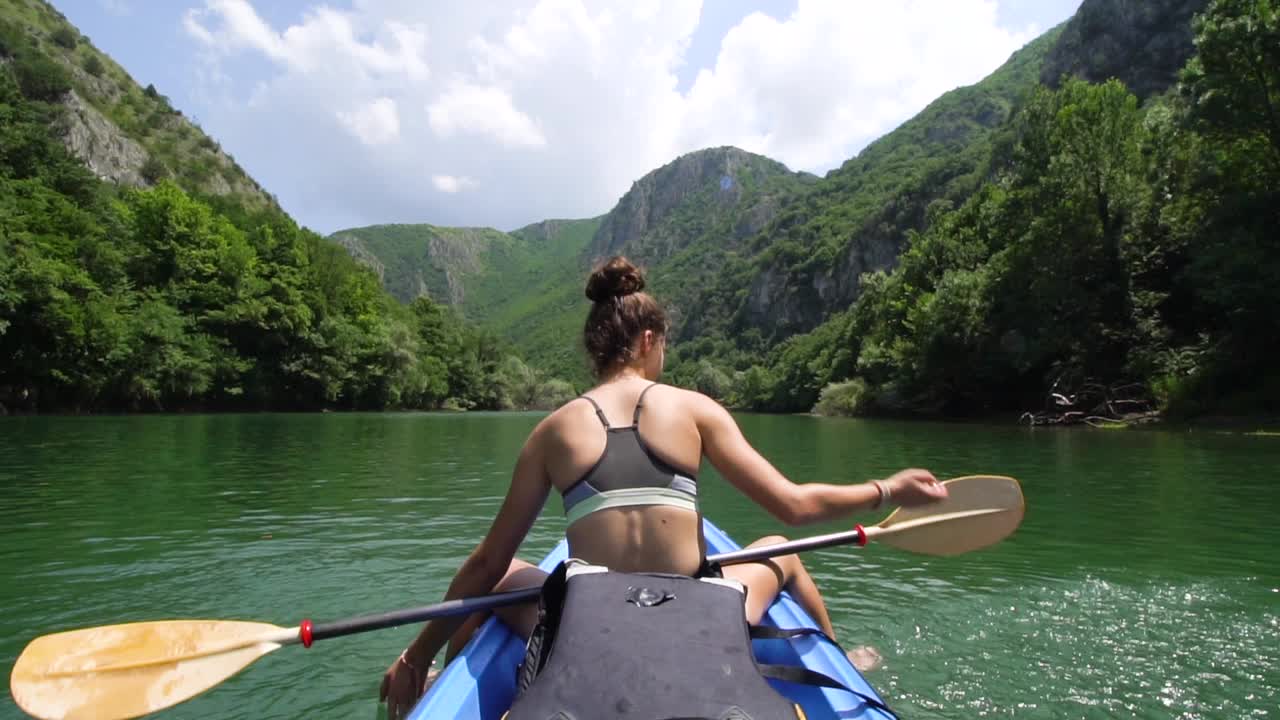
{"points": [[124, 133], [885, 192], [108, 152], [424, 260], [726, 188], [1142, 43], [858, 217]]}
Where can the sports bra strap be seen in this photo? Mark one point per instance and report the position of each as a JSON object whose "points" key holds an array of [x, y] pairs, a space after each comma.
{"points": [[635, 418], [599, 413]]}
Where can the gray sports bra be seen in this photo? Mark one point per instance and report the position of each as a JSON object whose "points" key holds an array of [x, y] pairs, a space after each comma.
{"points": [[628, 473]]}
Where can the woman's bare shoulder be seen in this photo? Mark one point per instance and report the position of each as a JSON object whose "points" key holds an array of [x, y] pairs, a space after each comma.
{"points": [[697, 407], [690, 400], [564, 418]]}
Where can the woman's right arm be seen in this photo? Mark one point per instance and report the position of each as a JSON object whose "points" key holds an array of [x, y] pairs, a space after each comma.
{"points": [[402, 683], [792, 503]]}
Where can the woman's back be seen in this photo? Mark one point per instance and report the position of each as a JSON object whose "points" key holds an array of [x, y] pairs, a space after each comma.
{"points": [[660, 537]]}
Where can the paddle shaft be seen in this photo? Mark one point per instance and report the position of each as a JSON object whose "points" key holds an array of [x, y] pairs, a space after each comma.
{"points": [[466, 606], [461, 606]]}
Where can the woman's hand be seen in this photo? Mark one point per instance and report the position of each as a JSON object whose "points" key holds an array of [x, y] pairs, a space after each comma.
{"points": [[912, 487], [402, 685]]}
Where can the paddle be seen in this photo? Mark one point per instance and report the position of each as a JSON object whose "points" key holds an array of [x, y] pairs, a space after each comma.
{"points": [[124, 671]]}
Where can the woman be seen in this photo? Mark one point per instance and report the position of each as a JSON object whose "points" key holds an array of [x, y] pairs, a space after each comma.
{"points": [[625, 457]]}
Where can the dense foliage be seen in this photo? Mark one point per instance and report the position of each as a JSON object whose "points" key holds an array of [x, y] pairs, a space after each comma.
{"points": [[757, 314], [157, 299], [1117, 242], [525, 286]]}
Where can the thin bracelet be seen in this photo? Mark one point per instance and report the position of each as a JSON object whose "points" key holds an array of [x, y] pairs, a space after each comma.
{"points": [[884, 494], [410, 665]]}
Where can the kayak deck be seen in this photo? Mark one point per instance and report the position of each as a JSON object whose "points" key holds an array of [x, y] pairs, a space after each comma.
{"points": [[480, 683]]}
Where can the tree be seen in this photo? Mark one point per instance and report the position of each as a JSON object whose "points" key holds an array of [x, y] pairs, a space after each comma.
{"points": [[1233, 82], [517, 384], [66, 36], [711, 380], [41, 78], [1060, 285], [753, 388], [1222, 174], [552, 394], [93, 65], [153, 170]]}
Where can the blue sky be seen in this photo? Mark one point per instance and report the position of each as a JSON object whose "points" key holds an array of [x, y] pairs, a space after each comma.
{"points": [[503, 113]]}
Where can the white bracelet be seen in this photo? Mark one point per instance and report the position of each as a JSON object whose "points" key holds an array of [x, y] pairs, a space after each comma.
{"points": [[884, 494], [410, 665]]}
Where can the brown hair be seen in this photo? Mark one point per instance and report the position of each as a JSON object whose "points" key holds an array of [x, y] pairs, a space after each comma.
{"points": [[620, 313]]}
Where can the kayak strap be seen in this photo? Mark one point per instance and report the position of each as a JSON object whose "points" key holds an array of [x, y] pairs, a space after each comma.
{"points": [[538, 648], [803, 675], [761, 632]]}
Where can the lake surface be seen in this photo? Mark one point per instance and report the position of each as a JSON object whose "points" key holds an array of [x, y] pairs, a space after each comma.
{"points": [[1144, 582]]}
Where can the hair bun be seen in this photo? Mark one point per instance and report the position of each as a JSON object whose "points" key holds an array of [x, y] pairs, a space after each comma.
{"points": [[616, 278]]}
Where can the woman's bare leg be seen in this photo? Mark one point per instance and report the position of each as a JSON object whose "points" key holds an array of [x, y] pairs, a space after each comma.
{"points": [[520, 618], [766, 578]]}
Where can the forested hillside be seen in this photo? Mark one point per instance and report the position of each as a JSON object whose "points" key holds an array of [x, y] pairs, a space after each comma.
{"points": [[685, 221], [124, 133], [163, 278], [522, 286], [1114, 242], [1094, 212]]}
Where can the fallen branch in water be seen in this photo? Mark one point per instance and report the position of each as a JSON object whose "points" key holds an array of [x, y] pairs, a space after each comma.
{"points": [[1094, 404]]}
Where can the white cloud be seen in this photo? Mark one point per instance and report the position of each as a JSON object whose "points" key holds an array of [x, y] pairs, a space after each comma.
{"points": [[554, 107], [325, 38], [376, 123], [451, 184], [191, 23], [815, 88], [483, 111]]}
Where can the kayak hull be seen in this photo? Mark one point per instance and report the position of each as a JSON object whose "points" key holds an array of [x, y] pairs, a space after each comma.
{"points": [[480, 683]]}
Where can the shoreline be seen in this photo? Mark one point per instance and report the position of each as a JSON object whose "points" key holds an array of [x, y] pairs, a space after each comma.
{"points": [[1252, 424]]}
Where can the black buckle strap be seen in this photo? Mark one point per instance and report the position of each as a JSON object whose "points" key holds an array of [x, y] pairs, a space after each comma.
{"points": [[803, 675], [761, 632]]}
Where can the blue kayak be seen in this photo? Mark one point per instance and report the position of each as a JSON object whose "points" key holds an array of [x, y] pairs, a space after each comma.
{"points": [[480, 683]]}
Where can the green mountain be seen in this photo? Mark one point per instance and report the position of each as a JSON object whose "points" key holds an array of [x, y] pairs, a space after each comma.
{"points": [[122, 132], [856, 220], [521, 285], [1045, 227], [683, 221], [1051, 228], [142, 269], [1115, 259], [736, 244]]}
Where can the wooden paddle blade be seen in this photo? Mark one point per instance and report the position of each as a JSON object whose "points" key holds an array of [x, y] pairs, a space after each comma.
{"points": [[124, 671], [980, 510]]}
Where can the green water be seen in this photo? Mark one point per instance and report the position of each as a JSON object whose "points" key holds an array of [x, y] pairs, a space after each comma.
{"points": [[1143, 583]]}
